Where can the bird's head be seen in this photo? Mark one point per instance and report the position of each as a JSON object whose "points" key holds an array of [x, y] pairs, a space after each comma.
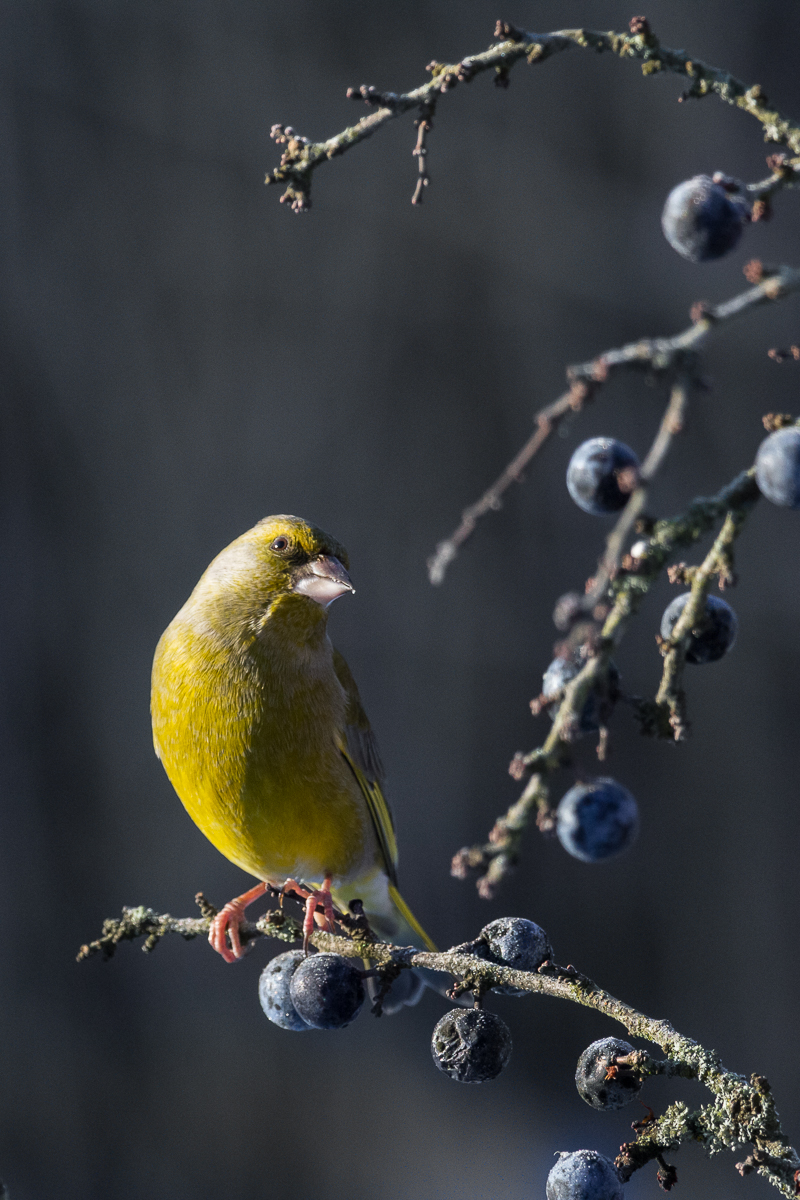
{"points": [[298, 557], [278, 558]]}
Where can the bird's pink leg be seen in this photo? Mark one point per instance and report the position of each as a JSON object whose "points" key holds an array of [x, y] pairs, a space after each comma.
{"points": [[313, 897], [227, 922]]}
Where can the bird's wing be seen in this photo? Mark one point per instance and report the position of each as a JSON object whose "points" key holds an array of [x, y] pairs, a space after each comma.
{"points": [[360, 749]]}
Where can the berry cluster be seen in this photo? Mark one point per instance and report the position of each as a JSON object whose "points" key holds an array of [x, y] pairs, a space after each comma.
{"points": [[326, 991], [471, 1045]]}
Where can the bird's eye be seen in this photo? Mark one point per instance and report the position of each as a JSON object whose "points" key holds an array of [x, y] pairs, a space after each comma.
{"points": [[280, 543]]}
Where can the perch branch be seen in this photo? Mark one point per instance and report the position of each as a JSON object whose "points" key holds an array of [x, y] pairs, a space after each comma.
{"points": [[657, 356], [740, 1112], [499, 854], [302, 156]]}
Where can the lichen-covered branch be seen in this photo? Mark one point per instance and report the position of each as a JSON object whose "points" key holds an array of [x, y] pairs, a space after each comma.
{"points": [[670, 697], [659, 357], [499, 854], [302, 156], [741, 1112]]}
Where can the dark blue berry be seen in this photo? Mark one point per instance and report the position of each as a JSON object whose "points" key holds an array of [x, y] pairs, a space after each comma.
{"points": [[273, 990], [584, 1175], [517, 943], [560, 672], [327, 991], [778, 467], [599, 1082], [712, 637], [597, 820], [471, 1045], [700, 219], [593, 475]]}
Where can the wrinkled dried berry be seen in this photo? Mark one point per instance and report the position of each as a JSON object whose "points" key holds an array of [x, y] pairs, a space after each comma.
{"points": [[471, 1045], [602, 1084]]}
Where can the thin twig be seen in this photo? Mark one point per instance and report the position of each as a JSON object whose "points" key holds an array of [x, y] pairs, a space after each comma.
{"points": [[670, 697], [424, 125], [302, 156], [497, 856], [741, 1111], [547, 421], [671, 424], [658, 356]]}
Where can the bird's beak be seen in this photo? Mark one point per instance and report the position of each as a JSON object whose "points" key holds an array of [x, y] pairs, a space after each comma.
{"points": [[324, 579]]}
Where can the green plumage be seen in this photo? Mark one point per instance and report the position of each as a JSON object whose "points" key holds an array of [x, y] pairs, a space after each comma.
{"points": [[260, 727]]}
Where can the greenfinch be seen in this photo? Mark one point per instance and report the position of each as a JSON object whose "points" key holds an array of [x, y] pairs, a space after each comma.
{"points": [[260, 728]]}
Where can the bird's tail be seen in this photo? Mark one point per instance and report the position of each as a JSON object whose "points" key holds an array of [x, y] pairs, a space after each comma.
{"points": [[409, 923]]}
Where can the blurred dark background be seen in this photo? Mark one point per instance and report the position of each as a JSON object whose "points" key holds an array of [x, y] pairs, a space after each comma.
{"points": [[182, 356]]}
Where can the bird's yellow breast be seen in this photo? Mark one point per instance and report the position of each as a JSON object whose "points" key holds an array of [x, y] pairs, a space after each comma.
{"points": [[248, 721]]}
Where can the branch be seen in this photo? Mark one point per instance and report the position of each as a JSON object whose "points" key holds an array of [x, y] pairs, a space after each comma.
{"points": [[670, 697], [499, 854], [302, 156], [740, 1112], [660, 357], [671, 424]]}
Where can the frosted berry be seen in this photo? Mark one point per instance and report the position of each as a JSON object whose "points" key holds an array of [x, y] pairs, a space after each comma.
{"points": [[584, 1175], [701, 220], [517, 943], [597, 820], [593, 475], [599, 1082], [471, 1045], [778, 467], [327, 991], [560, 672], [273, 991], [712, 637]]}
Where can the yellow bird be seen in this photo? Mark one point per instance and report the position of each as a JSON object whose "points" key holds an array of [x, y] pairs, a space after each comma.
{"points": [[260, 728]]}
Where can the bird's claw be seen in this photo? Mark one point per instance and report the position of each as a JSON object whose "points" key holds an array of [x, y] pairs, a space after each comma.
{"points": [[225, 925], [313, 898]]}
